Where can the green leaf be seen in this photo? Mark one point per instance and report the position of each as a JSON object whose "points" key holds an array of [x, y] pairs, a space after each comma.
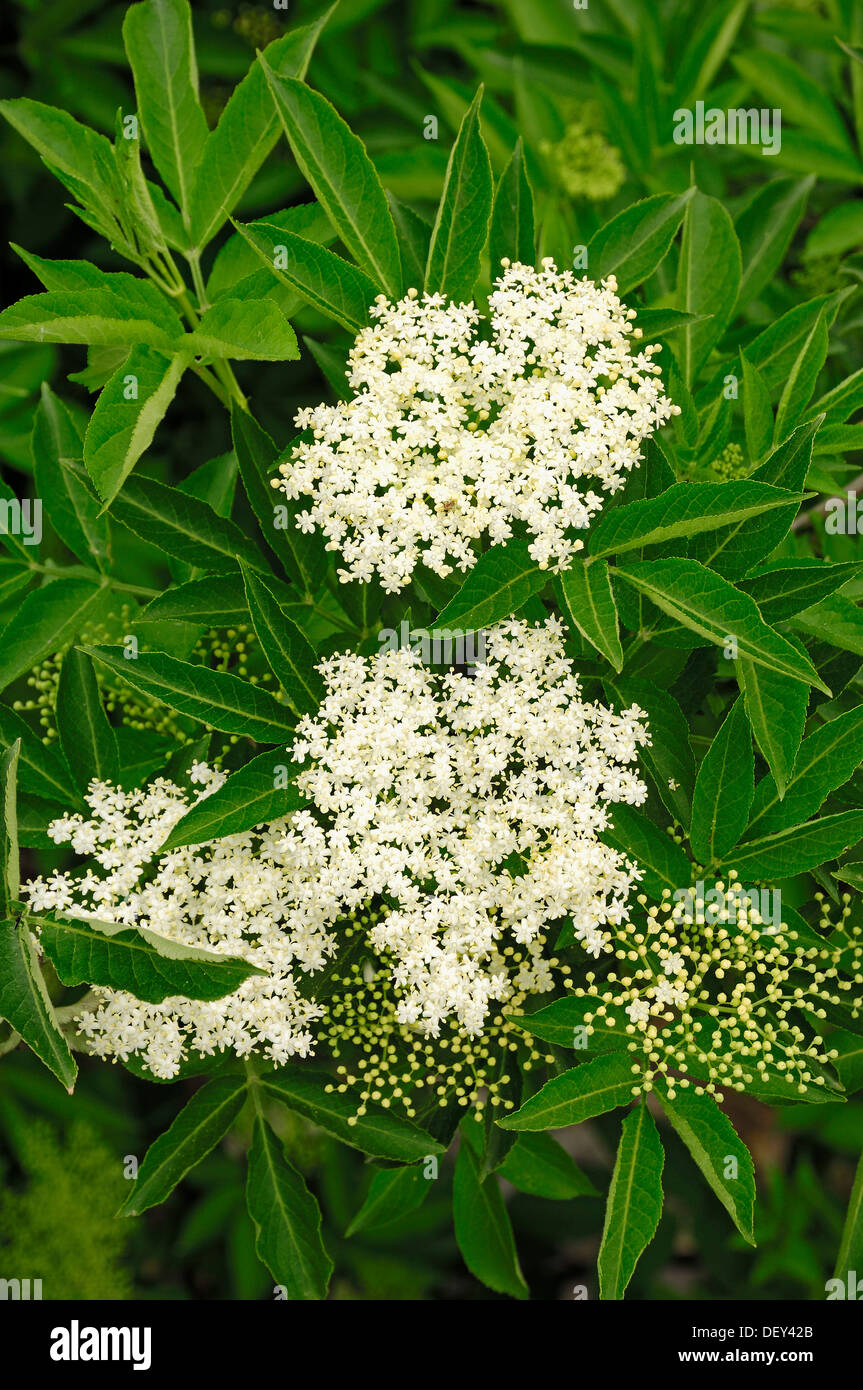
{"points": [[302, 555], [668, 757], [512, 231], [216, 698], [161, 52], [836, 620], [91, 317], [378, 1132], [414, 235], [710, 606], [248, 129], [344, 180], [776, 708], [635, 242], [797, 848], [262, 791], [579, 1094], [88, 742], [850, 1253], [483, 1230], [685, 509], [662, 861], [765, 228], [802, 378], [538, 1165], [394, 1193], [40, 771], [288, 654], [785, 588], [588, 601], [461, 225], [826, 760], [501, 582], [72, 511], [712, 1141], [10, 883], [775, 349], [26, 1005], [255, 330], [799, 97], [149, 966], [329, 283], [184, 527], [80, 158], [46, 621], [127, 415], [757, 411], [213, 601], [202, 1122], [287, 1219], [573, 1022], [708, 279], [724, 788], [634, 1202]]}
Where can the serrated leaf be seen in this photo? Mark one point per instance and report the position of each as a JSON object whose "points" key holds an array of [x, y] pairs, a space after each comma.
{"points": [[198, 1128], [394, 1193], [161, 52], [724, 788], [708, 279], [322, 279], [757, 411], [776, 709], [512, 232], [183, 526], [216, 698], [764, 230], [128, 413], [25, 1003], [668, 757], [45, 622], [501, 582], [287, 1219], [797, 848], [344, 180], [826, 760], [634, 1202], [461, 225], [287, 652], [212, 601], [850, 1255], [579, 1094], [662, 861], [588, 601], [82, 159], [247, 130], [710, 606], [41, 772], [573, 1022], [137, 960], [801, 379], [88, 742], [255, 330], [685, 509], [381, 1133], [10, 884], [482, 1228], [538, 1165], [712, 1140], [92, 317], [635, 242], [259, 793], [72, 511]]}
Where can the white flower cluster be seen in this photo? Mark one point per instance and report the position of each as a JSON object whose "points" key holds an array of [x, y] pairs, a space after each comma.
{"points": [[452, 435], [468, 808]]}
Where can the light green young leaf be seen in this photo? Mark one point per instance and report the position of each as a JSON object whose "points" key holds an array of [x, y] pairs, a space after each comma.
{"points": [[482, 1228], [724, 788], [161, 52], [127, 415], [88, 742], [254, 330], [216, 698], [287, 1219], [757, 411], [579, 1094], [344, 180], [92, 317], [718, 1150], [198, 1128], [587, 599], [26, 1005], [634, 1202], [710, 606], [326, 281], [262, 791], [139, 961], [462, 223]]}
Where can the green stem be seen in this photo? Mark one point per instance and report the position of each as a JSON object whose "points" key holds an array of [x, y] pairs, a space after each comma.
{"points": [[58, 571]]}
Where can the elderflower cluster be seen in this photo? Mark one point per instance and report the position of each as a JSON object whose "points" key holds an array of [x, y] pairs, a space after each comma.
{"points": [[462, 428], [721, 999], [472, 805], [464, 811]]}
